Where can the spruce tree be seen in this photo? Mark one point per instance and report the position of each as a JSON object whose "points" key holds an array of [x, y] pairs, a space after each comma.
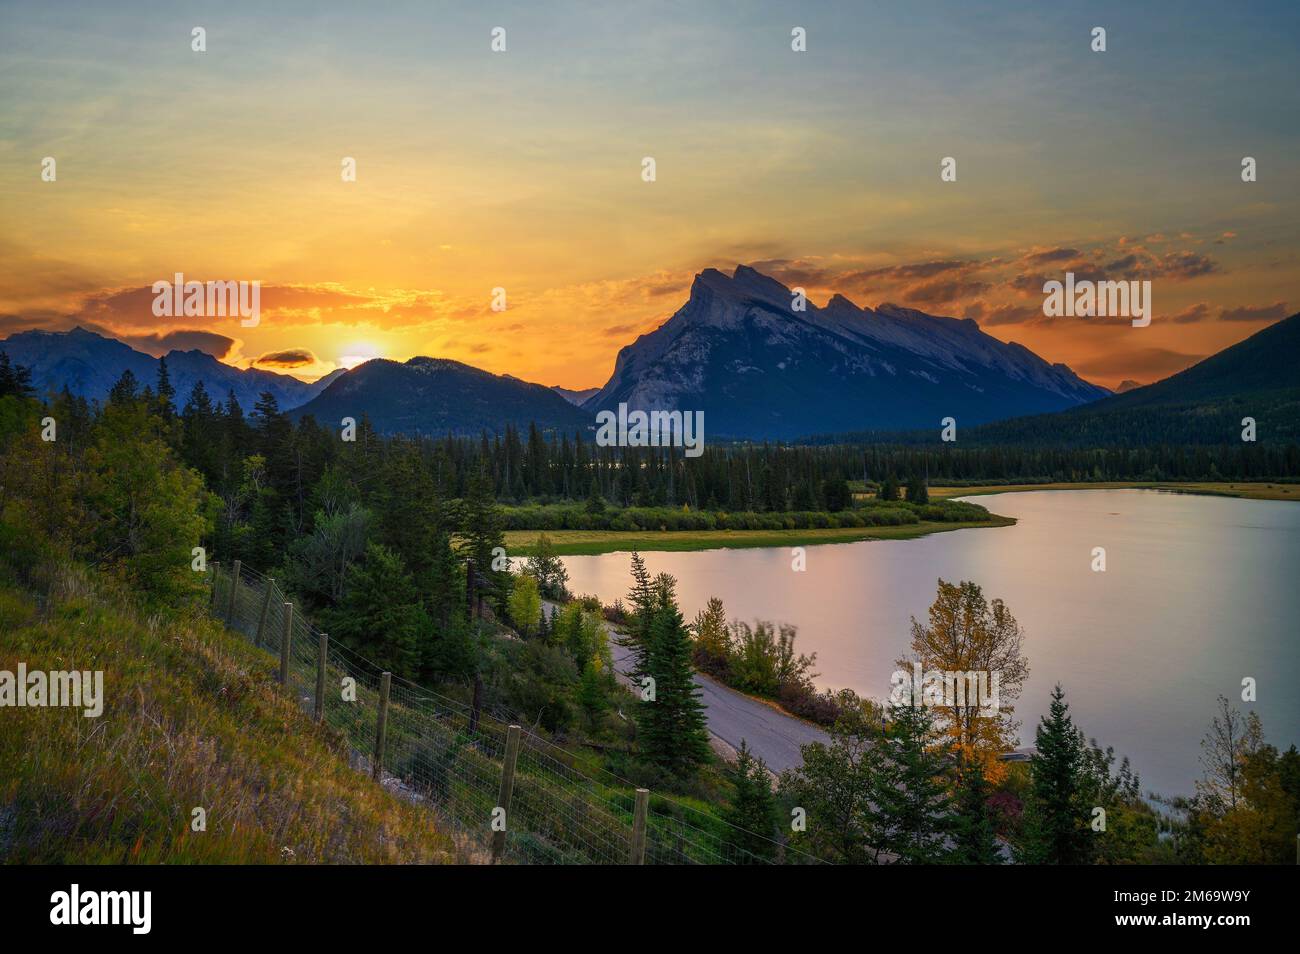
{"points": [[976, 841], [672, 730], [1056, 819], [752, 811], [911, 813]]}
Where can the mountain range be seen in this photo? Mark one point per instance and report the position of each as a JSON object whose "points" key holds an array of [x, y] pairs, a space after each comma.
{"points": [[438, 396], [89, 364], [1257, 378], [759, 369]]}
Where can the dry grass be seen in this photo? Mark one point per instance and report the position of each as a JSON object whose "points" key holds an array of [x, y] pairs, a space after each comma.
{"points": [[192, 718]]}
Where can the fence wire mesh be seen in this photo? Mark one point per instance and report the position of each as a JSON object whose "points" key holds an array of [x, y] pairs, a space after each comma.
{"points": [[436, 751]]}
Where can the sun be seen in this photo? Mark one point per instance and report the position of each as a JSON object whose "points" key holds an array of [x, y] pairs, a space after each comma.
{"points": [[358, 353]]}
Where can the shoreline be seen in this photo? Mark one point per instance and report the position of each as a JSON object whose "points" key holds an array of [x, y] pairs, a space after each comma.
{"points": [[523, 543], [1239, 489]]}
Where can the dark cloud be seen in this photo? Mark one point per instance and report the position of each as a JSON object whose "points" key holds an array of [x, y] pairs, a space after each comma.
{"points": [[1197, 312], [209, 342], [291, 358], [1047, 256], [935, 293], [1273, 312]]}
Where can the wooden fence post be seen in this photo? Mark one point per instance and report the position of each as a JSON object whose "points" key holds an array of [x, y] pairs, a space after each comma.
{"points": [[286, 637], [381, 730], [323, 654], [637, 856], [507, 790], [234, 590], [266, 607]]}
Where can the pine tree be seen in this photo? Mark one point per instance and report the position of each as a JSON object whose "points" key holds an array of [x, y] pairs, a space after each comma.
{"points": [[1056, 819], [888, 488], [976, 841], [125, 390], [164, 392], [752, 811], [671, 726], [911, 813], [380, 614]]}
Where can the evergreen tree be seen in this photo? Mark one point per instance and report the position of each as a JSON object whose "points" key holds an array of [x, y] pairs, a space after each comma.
{"points": [[911, 813], [125, 390], [974, 834], [593, 694], [164, 393], [917, 491], [672, 730], [380, 614], [1056, 818], [752, 811], [888, 488]]}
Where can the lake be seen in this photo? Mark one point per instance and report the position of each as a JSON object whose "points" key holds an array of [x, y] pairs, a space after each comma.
{"points": [[1198, 593]]}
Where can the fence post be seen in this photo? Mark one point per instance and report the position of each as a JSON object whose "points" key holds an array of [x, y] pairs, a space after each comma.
{"points": [[637, 856], [323, 654], [286, 637], [507, 790], [234, 590], [381, 730], [266, 606]]}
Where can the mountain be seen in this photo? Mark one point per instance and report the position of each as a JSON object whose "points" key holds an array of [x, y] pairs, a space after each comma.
{"points": [[90, 364], [758, 369], [574, 397], [1258, 378], [1128, 384], [436, 396]]}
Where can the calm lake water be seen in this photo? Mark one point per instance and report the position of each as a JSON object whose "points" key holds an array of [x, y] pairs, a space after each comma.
{"points": [[1199, 592]]}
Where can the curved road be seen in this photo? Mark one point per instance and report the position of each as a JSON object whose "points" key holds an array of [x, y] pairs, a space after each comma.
{"points": [[771, 734]]}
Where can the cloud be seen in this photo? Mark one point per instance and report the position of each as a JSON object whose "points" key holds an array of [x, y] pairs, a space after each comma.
{"points": [[291, 358], [1197, 312], [1273, 312], [209, 342]]}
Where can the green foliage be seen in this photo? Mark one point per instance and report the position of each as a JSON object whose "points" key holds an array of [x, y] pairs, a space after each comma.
{"points": [[672, 732], [552, 578], [525, 603], [380, 615], [752, 809]]}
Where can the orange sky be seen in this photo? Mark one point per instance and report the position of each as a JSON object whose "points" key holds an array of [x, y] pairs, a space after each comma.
{"points": [[522, 170]]}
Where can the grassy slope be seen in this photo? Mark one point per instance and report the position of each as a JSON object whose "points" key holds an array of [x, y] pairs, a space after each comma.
{"points": [[192, 718], [1250, 491], [589, 542]]}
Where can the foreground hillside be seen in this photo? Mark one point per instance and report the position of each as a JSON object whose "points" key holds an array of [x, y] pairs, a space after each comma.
{"points": [[192, 718]]}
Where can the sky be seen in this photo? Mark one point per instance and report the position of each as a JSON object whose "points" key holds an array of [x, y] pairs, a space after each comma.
{"points": [[522, 170]]}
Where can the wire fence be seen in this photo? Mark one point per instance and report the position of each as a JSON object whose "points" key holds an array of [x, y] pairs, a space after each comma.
{"points": [[436, 750]]}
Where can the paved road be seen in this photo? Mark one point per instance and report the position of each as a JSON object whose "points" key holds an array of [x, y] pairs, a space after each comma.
{"points": [[771, 734]]}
